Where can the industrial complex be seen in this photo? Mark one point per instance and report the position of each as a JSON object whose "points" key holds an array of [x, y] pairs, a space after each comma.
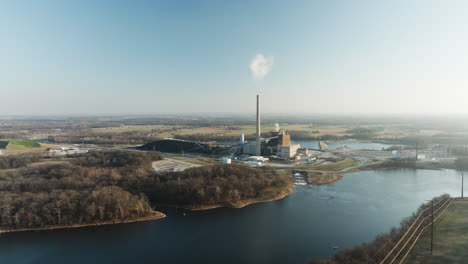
{"points": [[277, 146]]}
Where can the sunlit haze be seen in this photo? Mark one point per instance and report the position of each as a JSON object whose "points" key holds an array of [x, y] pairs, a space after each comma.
{"points": [[151, 57]]}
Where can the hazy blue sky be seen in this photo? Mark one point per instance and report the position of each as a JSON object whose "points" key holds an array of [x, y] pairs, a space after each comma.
{"points": [[112, 57]]}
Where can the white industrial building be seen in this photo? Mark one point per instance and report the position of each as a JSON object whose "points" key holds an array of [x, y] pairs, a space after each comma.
{"points": [[226, 160], [288, 151]]}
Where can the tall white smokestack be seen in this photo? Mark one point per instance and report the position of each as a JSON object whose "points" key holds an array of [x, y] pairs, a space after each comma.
{"points": [[259, 148]]}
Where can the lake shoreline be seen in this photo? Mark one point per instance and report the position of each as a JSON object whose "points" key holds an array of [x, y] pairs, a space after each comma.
{"points": [[340, 174], [243, 203], [154, 215]]}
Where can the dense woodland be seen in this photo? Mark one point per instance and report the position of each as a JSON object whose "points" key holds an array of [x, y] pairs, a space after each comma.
{"points": [[12, 162], [221, 184], [114, 186], [116, 159], [66, 194]]}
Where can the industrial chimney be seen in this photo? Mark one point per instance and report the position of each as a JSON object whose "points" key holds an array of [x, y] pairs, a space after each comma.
{"points": [[259, 144]]}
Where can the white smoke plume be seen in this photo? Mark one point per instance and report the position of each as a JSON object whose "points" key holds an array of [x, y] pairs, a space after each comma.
{"points": [[261, 66]]}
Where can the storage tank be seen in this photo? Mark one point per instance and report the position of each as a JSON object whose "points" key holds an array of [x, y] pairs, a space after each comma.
{"points": [[226, 160], [242, 139]]}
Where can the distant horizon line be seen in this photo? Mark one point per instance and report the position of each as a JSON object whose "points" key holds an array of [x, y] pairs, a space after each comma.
{"points": [[234, 114]]}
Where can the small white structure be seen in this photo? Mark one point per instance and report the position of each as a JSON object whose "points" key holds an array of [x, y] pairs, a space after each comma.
{"points": [[421, 156], [258, 158], [64, 151], [226, 160], [254, 163]]}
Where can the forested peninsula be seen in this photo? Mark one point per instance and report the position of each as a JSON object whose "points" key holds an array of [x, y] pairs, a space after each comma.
{"points": [[107, 187]]}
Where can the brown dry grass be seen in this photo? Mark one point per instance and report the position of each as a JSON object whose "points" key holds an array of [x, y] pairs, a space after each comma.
{"points": [[450, 238]]}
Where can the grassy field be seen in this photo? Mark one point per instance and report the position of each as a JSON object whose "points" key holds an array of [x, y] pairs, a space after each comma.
{"points": [[25, 146], [20, 144], [328, 173], [450, 238], [322, 177]]}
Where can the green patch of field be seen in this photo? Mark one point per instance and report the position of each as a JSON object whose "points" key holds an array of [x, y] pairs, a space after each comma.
{"points": [[450, 238], [21, 144], [337, 166]]}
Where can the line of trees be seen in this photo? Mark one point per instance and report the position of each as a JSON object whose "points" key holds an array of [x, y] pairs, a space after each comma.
{"points": [[111, 159], [16, 161], [219, 184], [20, 210]]}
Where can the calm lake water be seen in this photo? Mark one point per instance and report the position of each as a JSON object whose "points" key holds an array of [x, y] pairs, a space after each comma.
{"points": [[306, 224]]}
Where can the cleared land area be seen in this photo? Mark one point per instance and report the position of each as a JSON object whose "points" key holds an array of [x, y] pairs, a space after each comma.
{"points": [[203, 161], [322, 177], [337, 166], [328, 173], [172, 165], [450, 238]]}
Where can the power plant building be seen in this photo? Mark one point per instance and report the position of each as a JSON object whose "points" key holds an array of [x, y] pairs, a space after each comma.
{"points": [[279, 144], [250, 148]]}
